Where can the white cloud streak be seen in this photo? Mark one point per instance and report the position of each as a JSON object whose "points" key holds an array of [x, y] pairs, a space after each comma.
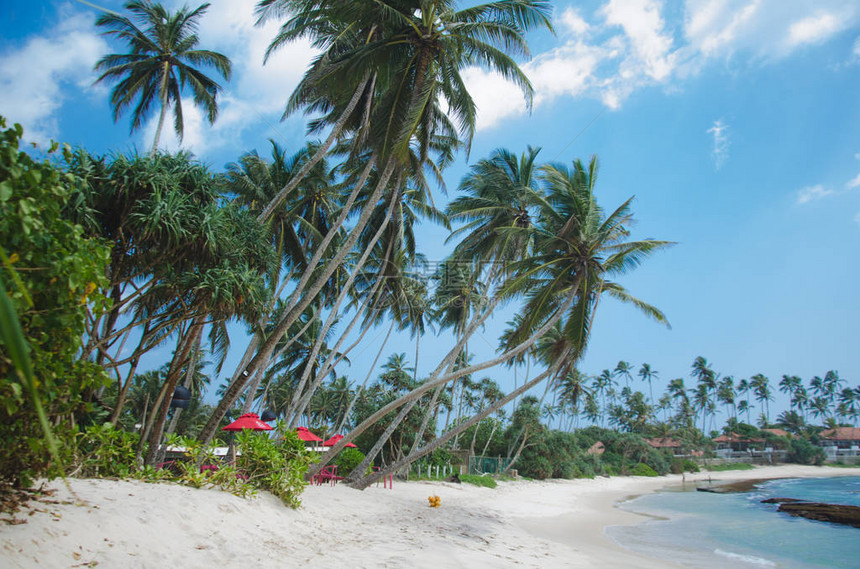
{"points": [[720, 148], [813, 193]]}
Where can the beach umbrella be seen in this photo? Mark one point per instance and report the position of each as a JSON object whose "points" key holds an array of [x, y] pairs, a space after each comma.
{"points": [[248, 421], [334, 440], [307, 436]]}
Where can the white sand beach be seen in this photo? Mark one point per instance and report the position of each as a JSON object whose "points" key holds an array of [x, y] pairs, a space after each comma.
{"points": [[524, 524]]}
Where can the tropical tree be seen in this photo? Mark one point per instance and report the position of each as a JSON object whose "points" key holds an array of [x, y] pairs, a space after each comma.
{"points": [[760, 385], [647, 374], [162, 60], [406, 58]]}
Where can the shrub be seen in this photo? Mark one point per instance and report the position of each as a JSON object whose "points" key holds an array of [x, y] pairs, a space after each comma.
{"points": [[347, 460], [485, 481], [643, 469], [279, 468], [103, 451], [49, 274], [802, 451]]}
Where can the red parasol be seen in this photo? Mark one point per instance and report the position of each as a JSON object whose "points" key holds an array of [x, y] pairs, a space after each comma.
{"points": [[248, 421], [334, 440], [307, 436]]}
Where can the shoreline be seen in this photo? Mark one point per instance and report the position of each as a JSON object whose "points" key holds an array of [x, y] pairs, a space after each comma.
{"points": [[554, 523]]}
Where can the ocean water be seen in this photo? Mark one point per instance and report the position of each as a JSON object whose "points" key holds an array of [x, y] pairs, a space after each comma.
{"points": [[709, 531]]}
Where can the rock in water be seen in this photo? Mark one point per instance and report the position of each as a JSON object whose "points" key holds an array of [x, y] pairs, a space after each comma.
{"points": [[834, 513]]}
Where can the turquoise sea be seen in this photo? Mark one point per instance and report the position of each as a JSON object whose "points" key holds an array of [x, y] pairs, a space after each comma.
{"points": [[706, 530]]}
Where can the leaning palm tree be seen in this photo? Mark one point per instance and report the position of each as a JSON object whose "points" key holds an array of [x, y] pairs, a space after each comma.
{"points": [[408, 60], [161, 62]]}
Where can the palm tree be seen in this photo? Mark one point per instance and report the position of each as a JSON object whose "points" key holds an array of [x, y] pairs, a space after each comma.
{"points": [[763, 393], [647, 374], [408, 56], [623, 369], [578, 248], [160, 64]]}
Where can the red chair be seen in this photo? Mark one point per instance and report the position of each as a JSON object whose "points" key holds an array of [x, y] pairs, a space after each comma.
{"points": [[387, 481], [327, 474]]}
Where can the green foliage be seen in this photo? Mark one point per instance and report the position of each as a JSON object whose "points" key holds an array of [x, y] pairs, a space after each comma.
{"points": [[802, 451], [278, 467], [103, 451], [57, 274], [731, 466], [679, 466], [643, 469], [485, 481], [347, 460]]}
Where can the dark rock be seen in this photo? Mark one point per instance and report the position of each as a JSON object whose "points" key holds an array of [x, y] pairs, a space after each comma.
{"points": [[834, 513], [781, 501], [455, 478]]}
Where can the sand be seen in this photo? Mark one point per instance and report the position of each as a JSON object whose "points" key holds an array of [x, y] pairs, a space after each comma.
{"points": [[555, 523]]}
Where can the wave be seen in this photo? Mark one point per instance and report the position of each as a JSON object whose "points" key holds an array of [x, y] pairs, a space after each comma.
{"points": [[760, 561]]}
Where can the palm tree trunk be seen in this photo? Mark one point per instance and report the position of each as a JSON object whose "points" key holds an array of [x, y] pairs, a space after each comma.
{"points": [[435, 381], [164, 73], [333, 314], [359, 471], [308, 297], [366, 378], [415, 455], [318, 155], [169, 385]]}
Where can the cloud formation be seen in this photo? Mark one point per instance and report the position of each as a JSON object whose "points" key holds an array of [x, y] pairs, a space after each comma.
{"points": [[628, 45], [34, 77], [813, 193], [720, 150]]}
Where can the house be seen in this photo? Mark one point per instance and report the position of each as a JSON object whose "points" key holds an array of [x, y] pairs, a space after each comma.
{"points": [[842, 441], [737, 443], [778, 432]]}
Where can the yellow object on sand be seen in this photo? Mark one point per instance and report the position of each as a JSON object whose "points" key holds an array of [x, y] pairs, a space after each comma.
{"points": [[435, 501]]}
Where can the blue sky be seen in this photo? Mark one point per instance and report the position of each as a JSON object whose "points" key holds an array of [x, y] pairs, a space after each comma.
{"points": [[735, 123]]}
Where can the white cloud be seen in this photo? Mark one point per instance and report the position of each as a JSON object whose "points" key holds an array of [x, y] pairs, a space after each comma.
{"points": [[643, 26], [813, 193], [814, 29], [765, 29], [573, 22], [854, 183], [34, 77], [720, 151]]}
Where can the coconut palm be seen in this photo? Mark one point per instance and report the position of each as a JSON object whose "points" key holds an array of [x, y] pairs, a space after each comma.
{"points": [[161, 63], [647, 374], [578, 248], [412, 53], [760, 385]]}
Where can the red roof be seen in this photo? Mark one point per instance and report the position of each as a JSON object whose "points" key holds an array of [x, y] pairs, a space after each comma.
{"points": [[663, 442], [777, 432], [842, 434], [596, 448], [736, 438]]}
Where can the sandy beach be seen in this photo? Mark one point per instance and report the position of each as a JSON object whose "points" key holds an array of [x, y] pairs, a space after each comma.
{"points": [[555, 523]]}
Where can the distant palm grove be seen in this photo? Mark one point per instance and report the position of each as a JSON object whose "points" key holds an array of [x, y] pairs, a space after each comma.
{"points": [[317, 252]]}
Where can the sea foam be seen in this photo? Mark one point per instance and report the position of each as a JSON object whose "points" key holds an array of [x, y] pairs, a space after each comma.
{"points": [[760, 561]]}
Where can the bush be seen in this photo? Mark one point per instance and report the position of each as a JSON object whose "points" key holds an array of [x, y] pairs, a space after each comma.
{"points": [[279, 468], [50, 275], [347, 460], [643, 469], [801, 451], [680, 466], [103, 451], [485, 481]]}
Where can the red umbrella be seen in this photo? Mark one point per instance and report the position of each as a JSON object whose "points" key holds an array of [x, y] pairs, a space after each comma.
{"points": [[248, 421], [334, 440], [306, 435]]}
